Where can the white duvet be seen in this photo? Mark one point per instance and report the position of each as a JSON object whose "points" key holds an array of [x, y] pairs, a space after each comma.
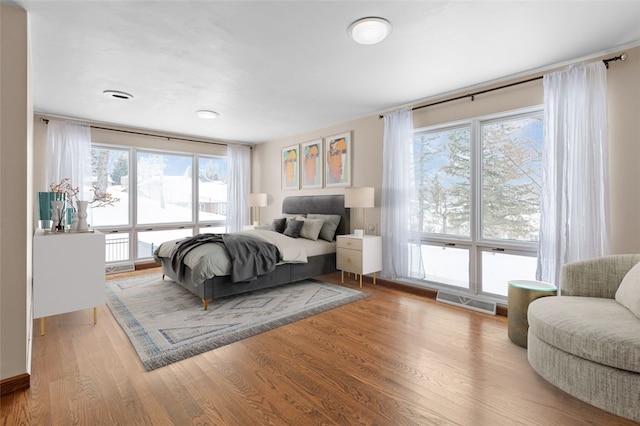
{"points": [[212, 260]]}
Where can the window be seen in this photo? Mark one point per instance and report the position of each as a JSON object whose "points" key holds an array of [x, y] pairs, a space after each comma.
{"points": [[476, 209], [212, 190], [162, 196], [164, 188], [110, 172]]}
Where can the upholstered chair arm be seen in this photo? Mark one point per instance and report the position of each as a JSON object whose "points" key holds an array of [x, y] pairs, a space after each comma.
{"points": [[598, 277]]}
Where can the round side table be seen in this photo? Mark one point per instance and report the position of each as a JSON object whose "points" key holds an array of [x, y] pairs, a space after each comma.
{"points": [[521, 294]]}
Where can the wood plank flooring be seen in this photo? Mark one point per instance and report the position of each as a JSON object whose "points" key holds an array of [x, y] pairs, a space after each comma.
{"points": [[391, 359]]}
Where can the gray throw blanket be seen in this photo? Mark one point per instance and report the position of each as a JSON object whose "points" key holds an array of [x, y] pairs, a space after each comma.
{"points": [[250, 257]]}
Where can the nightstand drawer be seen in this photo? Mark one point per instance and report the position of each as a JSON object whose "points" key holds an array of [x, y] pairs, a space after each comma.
{"points": [[349, 260], [350, 243]]}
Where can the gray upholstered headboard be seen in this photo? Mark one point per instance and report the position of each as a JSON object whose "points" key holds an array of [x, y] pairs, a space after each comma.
{"points": [[320, 204]]}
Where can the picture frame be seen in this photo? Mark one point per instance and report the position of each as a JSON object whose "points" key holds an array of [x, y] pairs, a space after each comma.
{"points": [[337, 154], [311, 164], [290, 167]]}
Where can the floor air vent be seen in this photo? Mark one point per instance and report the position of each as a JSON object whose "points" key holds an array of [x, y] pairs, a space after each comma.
{"points": [[121, 267], [467, 302]]}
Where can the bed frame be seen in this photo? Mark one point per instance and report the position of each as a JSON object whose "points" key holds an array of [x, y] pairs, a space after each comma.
{"points": [[217, 287]]}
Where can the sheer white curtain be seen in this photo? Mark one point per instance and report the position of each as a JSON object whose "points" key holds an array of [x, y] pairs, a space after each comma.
{"points": [[575, 202], [238, 187], [396, 187], [69, 155]]}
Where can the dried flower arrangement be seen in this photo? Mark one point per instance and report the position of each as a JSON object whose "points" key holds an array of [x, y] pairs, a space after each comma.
{"points": [[99, 198], [64, 187], [102, 199]]}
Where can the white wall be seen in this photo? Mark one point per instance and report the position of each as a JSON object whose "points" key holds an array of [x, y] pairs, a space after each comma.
{"points": [[15, 187], [623, 84], [366, 166], [624, 147]]}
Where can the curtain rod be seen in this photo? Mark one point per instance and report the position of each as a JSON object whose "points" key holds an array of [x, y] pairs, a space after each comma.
{"points": [[46, 121], [621, 57]]}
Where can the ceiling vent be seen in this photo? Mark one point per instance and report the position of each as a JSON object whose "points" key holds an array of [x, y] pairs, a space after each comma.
{"points": [[116, 94]]}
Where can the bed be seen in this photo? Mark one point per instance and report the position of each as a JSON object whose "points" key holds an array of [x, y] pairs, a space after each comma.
{"points": [[213, 287]]}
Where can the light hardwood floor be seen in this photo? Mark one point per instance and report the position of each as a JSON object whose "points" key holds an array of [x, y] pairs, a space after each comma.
{"points": [[391, 359]]}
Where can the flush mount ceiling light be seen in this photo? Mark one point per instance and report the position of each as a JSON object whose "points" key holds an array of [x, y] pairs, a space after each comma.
{"points": [[116, 94], [370, 30], [206, 114]]}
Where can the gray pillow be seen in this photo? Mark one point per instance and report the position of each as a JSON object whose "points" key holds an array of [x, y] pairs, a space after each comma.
{"points": [[628, 293], [293, 228], [278, 225], [330, 225], [311, 228], [289, 216]]}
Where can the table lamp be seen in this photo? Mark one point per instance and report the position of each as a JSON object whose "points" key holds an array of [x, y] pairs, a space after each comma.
{"points": [[257, 200], [360, 197]]}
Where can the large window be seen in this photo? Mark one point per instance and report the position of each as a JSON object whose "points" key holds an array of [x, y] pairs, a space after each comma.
{"points": [[110, 172], [164, 188], [172, 196], [476, 208], [212, 193]]}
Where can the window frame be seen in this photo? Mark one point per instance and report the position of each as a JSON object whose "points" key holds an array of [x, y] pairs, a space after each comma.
{"points": [[133, 228], [475, 243]]}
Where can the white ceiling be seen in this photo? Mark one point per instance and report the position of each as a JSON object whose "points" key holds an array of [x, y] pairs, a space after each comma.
{"points": [[276, 69]]}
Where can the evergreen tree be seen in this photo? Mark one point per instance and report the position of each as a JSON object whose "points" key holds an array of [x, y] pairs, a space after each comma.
{"points": [[120, 168], [511, 181], [510, 185]]}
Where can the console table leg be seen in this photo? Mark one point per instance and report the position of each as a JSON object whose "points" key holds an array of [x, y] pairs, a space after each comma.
{"points": [[95, 315], [42, 326]]}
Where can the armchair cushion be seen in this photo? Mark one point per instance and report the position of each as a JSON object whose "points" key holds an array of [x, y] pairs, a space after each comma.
{"points": [[597, 277], [628, 294], [592, 328]]}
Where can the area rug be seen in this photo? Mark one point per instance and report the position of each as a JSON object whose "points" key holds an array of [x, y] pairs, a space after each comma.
{"points": [[166, 323]]}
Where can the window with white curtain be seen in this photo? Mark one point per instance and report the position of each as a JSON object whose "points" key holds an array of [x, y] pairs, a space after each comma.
{"points": [[476, 208], [172, 195]]}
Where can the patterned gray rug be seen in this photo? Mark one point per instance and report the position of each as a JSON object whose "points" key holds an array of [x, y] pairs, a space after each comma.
{"points": [[166, 323]]}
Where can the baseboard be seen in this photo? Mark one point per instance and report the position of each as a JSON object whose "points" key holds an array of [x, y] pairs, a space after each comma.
{"points": [[501, 309], [147, 265], [407, 288], [14, 384]]}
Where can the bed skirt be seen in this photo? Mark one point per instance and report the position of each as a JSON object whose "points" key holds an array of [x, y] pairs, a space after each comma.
{"points": [[285, 273]]}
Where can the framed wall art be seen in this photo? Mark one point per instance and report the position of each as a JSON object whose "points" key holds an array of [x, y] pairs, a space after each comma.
{"points": [[311, 164], [290, 160], [337, 151]]}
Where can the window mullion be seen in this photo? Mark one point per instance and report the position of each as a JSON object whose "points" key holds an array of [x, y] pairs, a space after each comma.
{"points": [[476, 208]]}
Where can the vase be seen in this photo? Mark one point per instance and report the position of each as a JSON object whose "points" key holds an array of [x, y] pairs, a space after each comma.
{"points": [[57, 216], [44, 210], [82, 224], [44, 207], [70, 212]]}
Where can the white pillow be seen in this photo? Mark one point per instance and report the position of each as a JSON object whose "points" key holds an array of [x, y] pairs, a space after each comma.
{"points": [[628, 293], [311, 228], [329, 227]]}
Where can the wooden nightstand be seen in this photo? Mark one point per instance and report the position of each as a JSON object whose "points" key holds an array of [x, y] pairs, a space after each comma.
{"points": [[360, 255]]}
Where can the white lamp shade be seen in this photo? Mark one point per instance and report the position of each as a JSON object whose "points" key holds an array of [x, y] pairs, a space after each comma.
{"points": [[359, 197], [257, 200]]}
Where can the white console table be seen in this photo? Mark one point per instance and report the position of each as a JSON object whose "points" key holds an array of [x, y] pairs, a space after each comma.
{"points": [[68, 273]]}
